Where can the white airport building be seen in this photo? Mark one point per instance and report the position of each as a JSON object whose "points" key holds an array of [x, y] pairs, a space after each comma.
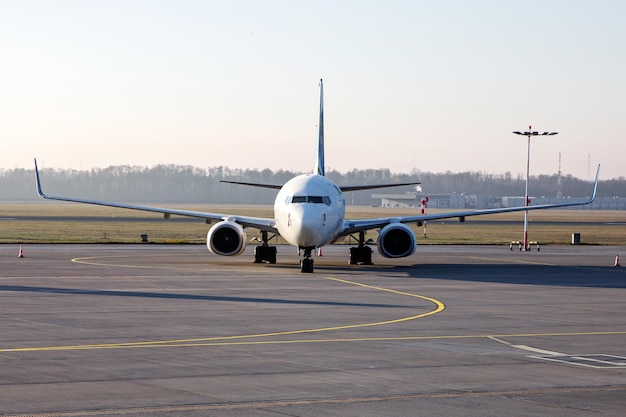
{"points": [[473, 201]]}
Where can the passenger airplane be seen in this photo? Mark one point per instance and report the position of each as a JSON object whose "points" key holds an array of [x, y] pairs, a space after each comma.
{"points": [[309, 212]]}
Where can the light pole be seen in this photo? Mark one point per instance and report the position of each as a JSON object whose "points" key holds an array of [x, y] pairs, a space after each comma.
{"points": [[529, 133]]}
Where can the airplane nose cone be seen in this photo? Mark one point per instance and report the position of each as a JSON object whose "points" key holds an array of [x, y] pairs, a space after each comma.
{"points": [[306, 222]]}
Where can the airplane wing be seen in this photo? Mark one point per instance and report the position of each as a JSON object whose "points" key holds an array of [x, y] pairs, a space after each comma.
{"points": [[246, 221], [353, 226]]}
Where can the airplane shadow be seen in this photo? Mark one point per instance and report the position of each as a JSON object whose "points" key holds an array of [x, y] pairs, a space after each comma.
{"points": [[521, 274], [191, 297], [514, 273]]}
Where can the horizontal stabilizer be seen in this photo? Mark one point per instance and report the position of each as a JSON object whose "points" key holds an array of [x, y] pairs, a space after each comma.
{"points": [[374, 186], [344, 188], [255, 184]]}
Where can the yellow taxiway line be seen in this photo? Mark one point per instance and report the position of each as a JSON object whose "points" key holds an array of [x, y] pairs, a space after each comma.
{"points": [[236, 339]]}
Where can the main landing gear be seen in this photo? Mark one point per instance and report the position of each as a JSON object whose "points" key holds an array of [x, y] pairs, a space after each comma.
{"points": [[361, 255], [264, 252]]}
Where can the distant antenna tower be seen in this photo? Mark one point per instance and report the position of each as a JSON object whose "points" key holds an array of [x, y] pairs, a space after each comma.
{"points": [[559, 192]]}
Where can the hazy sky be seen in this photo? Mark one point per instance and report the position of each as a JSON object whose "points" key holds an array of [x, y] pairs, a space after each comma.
{"points": [[426, 85]]}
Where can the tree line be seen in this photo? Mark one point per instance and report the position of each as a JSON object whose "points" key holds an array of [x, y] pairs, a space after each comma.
{"points": [[188, 184]]}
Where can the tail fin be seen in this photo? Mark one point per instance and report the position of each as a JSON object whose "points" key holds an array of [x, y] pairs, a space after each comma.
{"points": [[319, 167]]}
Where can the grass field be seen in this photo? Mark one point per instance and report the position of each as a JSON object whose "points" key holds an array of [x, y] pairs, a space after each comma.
{"points": [[47, 222]]}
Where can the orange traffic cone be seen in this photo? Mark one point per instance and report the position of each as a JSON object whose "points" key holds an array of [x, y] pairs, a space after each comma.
{"points": [[319, 252], [617, 260], [21, 254]]}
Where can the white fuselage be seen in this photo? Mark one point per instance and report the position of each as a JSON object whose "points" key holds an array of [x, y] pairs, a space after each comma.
{"points": [[309, 211]]}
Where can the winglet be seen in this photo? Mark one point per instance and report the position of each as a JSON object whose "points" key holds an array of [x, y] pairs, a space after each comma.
{"points": [[595, 186], [319, 166], [41, 194]]}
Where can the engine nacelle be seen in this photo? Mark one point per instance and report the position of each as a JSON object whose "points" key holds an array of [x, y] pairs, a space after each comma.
{"points": [[226, 238], [396, 240]]}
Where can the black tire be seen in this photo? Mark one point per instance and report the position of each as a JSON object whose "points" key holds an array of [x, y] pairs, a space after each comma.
{"points": [[306, 265]]}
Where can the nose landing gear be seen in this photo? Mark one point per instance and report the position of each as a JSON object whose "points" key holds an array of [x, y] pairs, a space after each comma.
{"points": [[306, 263]]}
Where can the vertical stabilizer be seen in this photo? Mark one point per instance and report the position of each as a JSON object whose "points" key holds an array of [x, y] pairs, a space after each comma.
{"points": [[319, 166]]}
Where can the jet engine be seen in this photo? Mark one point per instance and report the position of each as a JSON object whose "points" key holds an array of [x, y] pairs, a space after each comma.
{"points": [[396, 240], [226, 238]]}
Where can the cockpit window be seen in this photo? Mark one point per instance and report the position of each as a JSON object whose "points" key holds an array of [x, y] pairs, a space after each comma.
{"points": [[311, 199]]}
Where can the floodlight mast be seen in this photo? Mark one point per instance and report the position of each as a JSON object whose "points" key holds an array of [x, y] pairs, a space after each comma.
{"points": [[528, 134]]}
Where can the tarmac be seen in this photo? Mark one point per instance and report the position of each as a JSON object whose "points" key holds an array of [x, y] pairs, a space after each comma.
{"points": [[173, 330]]}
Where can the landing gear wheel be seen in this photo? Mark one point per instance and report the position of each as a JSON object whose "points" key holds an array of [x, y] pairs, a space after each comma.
{"points": [[306, 265], [265, 254], [361, 255]]}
